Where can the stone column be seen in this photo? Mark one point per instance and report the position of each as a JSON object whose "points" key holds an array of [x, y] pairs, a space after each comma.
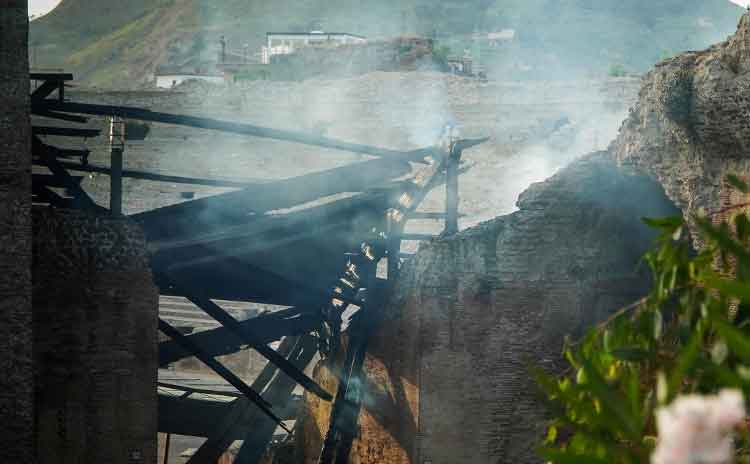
{"points": [[16, 386]]}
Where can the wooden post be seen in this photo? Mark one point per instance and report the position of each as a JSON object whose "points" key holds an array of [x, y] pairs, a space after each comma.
{"points": [[393, 246], [166, 448], [117, 147], [451, 191]]}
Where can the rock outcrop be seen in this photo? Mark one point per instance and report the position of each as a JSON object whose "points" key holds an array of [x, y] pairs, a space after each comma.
{"points": [[691, 126]]}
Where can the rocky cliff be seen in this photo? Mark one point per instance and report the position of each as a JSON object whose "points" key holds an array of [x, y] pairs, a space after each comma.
{"points": [[691, 126]]}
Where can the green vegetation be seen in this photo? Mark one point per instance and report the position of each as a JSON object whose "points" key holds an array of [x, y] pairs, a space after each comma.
{"points": [[690, 335]]}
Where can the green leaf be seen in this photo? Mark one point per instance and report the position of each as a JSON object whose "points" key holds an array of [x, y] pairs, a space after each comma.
{"points": [[722, 237], [727, 286], [658, 324], [684, 363], [719, 352], [742, 224], [671, 223], [737, 183], [612, 403], [632, 354], [557, 456], [737, 341], [551, 435]]}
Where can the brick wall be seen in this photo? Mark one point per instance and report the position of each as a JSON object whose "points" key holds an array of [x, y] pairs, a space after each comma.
{"points": [[16, 382], [95, 332]]}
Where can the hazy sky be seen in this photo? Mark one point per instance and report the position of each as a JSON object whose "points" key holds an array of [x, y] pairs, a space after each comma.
{"points": [[37, 7]]}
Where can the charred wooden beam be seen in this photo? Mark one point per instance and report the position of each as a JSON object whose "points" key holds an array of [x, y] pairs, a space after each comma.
{"points": [[155, 176], [245, 205], [48, 154], [47, 180], [58, 77], [225, 126], [63, 116], [247, 334], [190, 390], [44, 90], [277, 389], [65, 131], [202, 417], [280, 391], [219, 368], [70, 153], [44, 195], [345, 409], [219, 341]]}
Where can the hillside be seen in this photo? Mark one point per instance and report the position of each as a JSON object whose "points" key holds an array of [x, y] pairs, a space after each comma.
{"points": [[121, 43]]}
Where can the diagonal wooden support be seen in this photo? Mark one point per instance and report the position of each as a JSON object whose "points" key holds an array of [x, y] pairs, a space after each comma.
{"points": [[247, 335], [277, 388], [48, 154], [219, 368], [269, 328], [345, 411], [44, 90], [280, 390]]}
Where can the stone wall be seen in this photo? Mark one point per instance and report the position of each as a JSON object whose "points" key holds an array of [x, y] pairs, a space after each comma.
{"points": [[16, 382], [448, 377], [95, 332]]}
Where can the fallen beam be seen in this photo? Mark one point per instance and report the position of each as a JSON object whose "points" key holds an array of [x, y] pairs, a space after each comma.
{"points": [[225, 126], [65, 131], [47, 180], [219, 341], [49, 156], [239, 207], [248, 335], [59, 77], [202, 417], [149, 175], [277, 389], [219, 368]]}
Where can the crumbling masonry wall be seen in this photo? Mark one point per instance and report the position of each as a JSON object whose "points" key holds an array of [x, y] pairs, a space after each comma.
{"points": [[447, 374], [16, 382], [95, 331]]}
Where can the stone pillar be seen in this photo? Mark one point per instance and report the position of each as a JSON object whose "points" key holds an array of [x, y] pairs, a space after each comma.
{"points": [[95, 340], [16, 386]]}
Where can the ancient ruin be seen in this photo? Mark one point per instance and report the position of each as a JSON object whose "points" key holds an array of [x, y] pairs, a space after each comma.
{"points": [[382, 303]]}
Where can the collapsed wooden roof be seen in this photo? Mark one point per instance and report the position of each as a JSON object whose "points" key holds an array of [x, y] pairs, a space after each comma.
{"points": [[309, 243]]}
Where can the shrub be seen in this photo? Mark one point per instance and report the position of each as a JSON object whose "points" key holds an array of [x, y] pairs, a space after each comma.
{"points": [[691, 334]]}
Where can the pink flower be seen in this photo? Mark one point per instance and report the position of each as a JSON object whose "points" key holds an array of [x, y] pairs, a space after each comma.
{"points": [[696, 429]]}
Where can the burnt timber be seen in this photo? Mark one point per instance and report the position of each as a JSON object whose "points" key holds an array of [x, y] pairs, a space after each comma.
{"points": [[244, 246]]}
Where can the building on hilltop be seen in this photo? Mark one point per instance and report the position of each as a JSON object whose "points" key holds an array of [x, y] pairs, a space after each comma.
{"points": [[285, 43]]}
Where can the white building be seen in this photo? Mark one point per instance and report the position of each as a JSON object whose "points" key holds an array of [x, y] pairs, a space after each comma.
{"points": [[285, 43]]}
